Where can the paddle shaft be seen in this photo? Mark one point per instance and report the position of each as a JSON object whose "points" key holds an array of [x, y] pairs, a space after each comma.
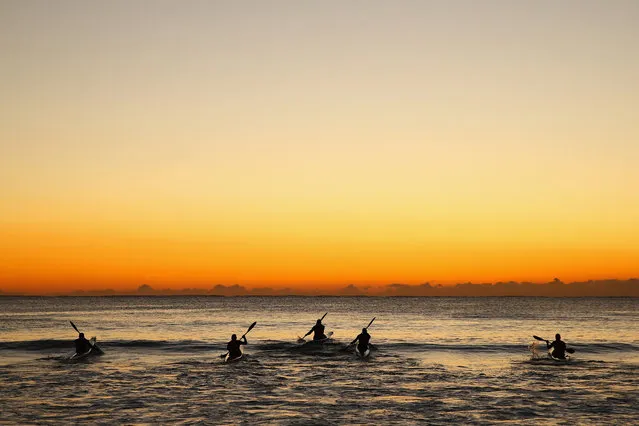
{"points": [[369, 324]]}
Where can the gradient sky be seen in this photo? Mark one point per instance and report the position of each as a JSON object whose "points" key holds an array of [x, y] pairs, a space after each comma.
{"points": [[298, 143]]}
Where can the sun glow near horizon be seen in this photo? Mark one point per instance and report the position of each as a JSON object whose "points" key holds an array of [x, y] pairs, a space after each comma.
{"points": [[317, 145]]}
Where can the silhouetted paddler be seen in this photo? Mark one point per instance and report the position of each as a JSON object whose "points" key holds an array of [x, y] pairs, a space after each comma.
{"points": [[558, 347], [234, 346], [318, 330], [363, 339], [82, 345]]}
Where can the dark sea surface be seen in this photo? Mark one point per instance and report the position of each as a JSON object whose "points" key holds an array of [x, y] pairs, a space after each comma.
{"points": [[436, 361]]}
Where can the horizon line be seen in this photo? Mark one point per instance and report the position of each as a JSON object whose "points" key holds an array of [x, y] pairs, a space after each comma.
{"points": [[555, 288]]}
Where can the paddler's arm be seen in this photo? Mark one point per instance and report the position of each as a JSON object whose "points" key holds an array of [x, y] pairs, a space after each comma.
{"points": [[243, 342], [356, 339], [309, 331]]}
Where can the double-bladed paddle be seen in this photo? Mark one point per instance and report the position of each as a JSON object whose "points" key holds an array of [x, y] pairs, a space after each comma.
{"points": [[301, 339], [541, 339], [243, 335]]}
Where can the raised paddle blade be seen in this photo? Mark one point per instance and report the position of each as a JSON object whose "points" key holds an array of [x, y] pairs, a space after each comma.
{"points": [[73, 325], [250, 328], [539, 338], [369, 324]]}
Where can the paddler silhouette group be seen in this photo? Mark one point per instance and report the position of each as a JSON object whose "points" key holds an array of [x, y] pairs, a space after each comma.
{"points": [[556, 349]]}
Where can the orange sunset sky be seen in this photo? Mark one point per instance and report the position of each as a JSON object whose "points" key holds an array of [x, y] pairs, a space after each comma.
{"points": [[317, 144]]}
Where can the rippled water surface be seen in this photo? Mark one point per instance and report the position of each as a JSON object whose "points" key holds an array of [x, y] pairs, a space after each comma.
{"points": [[436, 360]]}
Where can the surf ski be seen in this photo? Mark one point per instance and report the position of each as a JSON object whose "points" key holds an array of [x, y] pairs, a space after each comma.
{"points": [[229, 360], [556, 359], [366, 353], [327, 339]]}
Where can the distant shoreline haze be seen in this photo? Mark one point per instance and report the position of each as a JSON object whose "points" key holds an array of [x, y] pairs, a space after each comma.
{"points": [[555, 288]]}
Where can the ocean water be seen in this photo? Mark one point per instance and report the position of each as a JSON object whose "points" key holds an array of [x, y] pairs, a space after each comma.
{"points": [[436, 361]]}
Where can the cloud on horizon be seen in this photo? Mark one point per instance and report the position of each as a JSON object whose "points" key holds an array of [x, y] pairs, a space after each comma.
{"points": [[555, 288]]}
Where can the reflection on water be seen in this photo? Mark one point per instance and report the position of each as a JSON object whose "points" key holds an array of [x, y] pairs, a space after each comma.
{"points": [[440, 360]]}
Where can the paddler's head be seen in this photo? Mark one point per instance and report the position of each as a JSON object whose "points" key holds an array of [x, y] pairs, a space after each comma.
{"points": [[81, 335], [319, 321], [364, 331], [557, 336], [234, 337]]}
